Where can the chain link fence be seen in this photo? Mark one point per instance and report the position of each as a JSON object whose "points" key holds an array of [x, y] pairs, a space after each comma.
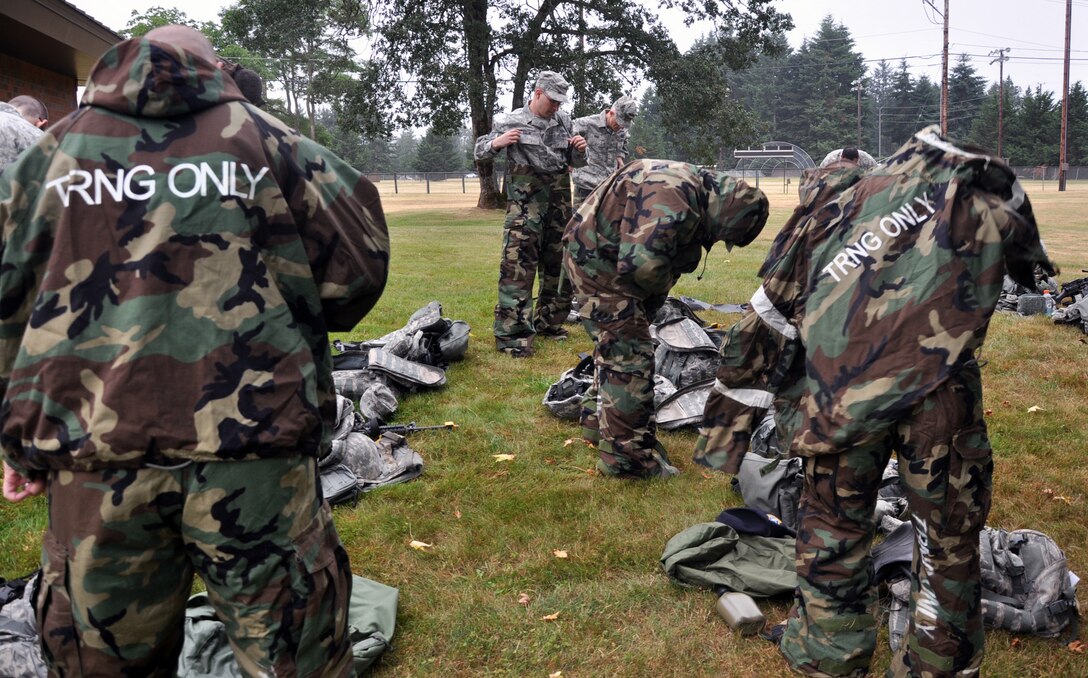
{"points": [[426, 182], [1050, 173], [784, 178]]}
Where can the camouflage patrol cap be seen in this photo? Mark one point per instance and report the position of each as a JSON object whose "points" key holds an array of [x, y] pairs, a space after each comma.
{"points": [[625, 109], [736, 211], [554, 85]]}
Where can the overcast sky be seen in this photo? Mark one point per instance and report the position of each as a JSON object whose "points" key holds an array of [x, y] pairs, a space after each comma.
{"points": [[1033, 30]]}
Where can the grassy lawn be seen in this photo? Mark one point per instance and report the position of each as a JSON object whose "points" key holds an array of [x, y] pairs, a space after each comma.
{"points": [[476, 602]]}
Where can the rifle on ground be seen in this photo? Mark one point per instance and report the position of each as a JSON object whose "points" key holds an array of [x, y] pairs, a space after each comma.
{"points": [[374, 428], [412, 427], [1070, 290]]}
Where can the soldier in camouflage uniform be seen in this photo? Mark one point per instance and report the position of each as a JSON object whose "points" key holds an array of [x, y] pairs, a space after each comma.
{"points": [[173, 260], [606, 138], [17, 131], [626, 247], [876, 297], [541, 147]]}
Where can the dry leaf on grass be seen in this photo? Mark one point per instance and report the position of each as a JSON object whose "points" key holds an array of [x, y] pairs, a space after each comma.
{"points": [[549, 460], [457, 514], [524, 599], [550, 617], [559, 553], [503, 457], [1077, 646], [557, 674], [1035, 408], [1014, 643], [1056, 497], [569, 441], [987, 412], [420, 545], [705, 475]]}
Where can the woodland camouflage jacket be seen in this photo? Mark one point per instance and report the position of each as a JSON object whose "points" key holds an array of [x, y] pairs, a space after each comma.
{"points": [[871, 299], [172, 261], [651, 221]]}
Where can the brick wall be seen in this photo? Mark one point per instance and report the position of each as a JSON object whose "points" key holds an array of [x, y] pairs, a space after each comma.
{"points": [[56, 91]]}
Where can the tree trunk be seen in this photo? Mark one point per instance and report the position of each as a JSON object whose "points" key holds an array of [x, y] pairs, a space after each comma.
{"points": [[490, 196], [481, 95], [310, 97]]}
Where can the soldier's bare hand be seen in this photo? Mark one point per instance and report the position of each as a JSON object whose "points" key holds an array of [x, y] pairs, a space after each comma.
{"points": [[578, 142], [510, 136], [17, 487]]}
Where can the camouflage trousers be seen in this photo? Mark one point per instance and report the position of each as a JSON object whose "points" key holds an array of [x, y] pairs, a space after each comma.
{"points": [[122, 546], [537, 212], [618, 408], [946, 468]]}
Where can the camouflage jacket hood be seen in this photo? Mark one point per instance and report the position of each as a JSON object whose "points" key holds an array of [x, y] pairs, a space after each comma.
{"points": [[173, 260], [149, 79], [649, 222], [873, 296]]}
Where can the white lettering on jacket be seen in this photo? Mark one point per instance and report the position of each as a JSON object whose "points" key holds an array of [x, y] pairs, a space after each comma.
{"points": [[854, 255], [183, 181]]}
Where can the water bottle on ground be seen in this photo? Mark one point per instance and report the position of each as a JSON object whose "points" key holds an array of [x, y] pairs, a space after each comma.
{"points": [[740, 612], [1048, 303]]}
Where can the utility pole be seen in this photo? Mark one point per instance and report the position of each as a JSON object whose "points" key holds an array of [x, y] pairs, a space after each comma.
{"points": [[1063, 163], [880, 133], [857, 85], [944, 76], [1000, 94]]}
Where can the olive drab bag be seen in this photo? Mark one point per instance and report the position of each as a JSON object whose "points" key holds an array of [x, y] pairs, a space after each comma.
{"points": [[206, 651]]}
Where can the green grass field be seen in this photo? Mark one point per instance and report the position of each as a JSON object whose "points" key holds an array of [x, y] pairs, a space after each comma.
{"points": [[491, 597]]}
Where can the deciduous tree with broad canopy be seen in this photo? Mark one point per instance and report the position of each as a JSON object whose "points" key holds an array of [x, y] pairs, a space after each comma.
{"points": [[442, 58]]}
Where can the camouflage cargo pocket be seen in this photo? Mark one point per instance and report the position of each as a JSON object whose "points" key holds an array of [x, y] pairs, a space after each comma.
{"points": [[322, 588], [970, 480], [53, 608]]}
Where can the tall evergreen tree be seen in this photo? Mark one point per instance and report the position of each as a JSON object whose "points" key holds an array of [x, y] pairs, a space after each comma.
{"points": [[368, 154], [1037, 127], [404, 151], [649, 136], [820, 114], [1077, 130], [902, 115], [926, 98], [984, 129], [437, 153], [878, 95], [966, 92], [762, 90]]}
